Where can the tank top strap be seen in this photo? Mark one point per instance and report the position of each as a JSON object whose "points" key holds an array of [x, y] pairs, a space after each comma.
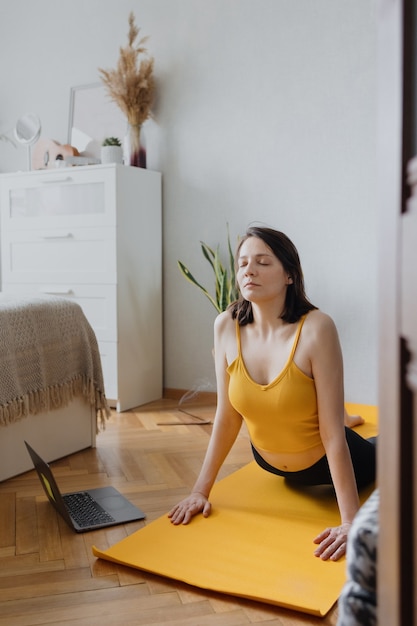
{"points": [[297, 337], [239, 350]]}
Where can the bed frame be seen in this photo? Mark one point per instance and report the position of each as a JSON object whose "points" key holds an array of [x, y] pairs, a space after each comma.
{"points": [[52, 391], [53, 435]]}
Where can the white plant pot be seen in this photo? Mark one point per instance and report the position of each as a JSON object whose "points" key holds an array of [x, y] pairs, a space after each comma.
{"points": [[111, 154]]}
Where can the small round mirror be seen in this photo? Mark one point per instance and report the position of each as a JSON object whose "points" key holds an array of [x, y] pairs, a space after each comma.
{"points": [[28, 129], [27, 132]]}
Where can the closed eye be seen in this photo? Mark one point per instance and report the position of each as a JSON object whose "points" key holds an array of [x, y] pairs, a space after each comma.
{"points": [[260, 260]]}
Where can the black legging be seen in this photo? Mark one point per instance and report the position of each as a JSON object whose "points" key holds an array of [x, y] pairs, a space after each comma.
{"points": [[362, 452]]}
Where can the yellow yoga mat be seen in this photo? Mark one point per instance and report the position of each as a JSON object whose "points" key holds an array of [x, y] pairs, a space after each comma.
{"points": [[257, 542]]}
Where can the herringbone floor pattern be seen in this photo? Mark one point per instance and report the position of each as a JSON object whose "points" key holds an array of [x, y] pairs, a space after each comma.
{"points": [[48, 575]]}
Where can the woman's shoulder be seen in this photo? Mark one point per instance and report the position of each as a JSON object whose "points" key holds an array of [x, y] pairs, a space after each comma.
{"points": [[317, 323], [224, 322], [225, 337]]}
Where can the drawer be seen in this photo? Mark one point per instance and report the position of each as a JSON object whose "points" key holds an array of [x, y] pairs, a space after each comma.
{"points": [[98, 302], [59, 255], [56, 198]]}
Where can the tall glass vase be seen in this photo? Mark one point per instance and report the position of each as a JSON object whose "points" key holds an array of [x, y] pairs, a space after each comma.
{"points": [[134, 152]]}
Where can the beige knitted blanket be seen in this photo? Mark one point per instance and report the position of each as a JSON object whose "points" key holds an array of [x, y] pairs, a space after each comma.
{"points": [[48, 356]]}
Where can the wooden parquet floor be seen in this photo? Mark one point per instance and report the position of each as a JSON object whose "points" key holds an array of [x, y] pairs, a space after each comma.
{"points": [[48, 575]]}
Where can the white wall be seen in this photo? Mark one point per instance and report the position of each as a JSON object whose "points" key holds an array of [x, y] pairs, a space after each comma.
{"points": [[265, 112]]}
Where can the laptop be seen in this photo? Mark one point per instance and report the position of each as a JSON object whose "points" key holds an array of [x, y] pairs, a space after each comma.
{"points": [[85, 510]]}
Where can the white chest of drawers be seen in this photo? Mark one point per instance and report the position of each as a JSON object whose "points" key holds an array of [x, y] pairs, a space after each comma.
{"points": [[93, 234]]}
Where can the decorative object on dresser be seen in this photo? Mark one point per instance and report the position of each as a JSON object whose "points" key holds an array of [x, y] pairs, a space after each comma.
{"points": [[92, 117], [111, 150], [27, 132], [131, 85], [47, 154], [92, 234]]}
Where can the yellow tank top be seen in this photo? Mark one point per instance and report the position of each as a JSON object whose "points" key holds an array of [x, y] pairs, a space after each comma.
{"points": [[281, 417]]}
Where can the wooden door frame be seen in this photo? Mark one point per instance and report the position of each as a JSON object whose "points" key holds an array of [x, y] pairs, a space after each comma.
{"points": [[388, 199], [396, 41]]}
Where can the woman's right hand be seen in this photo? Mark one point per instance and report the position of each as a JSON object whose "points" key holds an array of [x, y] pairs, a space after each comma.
{"points": [[195, 503]]}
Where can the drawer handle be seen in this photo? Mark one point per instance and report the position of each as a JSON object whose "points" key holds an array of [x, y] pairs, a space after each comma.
{"points": [[48, 181], [58, 292], [67, 236]]}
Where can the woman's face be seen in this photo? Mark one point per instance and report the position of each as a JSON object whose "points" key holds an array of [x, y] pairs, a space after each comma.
{"points": [[260, 275]]}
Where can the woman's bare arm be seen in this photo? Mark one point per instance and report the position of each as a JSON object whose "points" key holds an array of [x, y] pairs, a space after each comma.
{"points": [[226, 427], [327, 368]]}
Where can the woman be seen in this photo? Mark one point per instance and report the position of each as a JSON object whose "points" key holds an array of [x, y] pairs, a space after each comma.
{"points": [[279, 367]]}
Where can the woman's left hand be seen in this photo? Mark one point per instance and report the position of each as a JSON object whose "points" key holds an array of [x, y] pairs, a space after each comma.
{"points": [[332, 542]]}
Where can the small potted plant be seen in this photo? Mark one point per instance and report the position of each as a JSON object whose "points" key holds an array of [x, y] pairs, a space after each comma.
{"points": [[111, 150]]}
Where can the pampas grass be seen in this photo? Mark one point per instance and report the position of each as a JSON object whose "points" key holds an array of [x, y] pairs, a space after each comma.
{"points": [[131, 85]]}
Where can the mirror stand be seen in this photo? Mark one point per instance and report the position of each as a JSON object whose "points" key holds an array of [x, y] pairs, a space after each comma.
{"points": [[27, 132]]}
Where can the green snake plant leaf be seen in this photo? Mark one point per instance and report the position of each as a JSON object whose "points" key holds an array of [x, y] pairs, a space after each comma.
{"points": [[233, 289], [186, 272], [208, 253], [226, 290], [223, 298]]}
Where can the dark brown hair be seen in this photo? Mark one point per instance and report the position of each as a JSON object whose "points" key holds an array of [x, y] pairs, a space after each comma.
{"points": [[296, 301]]}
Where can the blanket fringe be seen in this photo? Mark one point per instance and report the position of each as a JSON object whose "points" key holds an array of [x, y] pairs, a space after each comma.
{"points": [[56, 397]]}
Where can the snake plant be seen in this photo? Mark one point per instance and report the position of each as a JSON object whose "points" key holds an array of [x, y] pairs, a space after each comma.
{"points": [[226, 290]]}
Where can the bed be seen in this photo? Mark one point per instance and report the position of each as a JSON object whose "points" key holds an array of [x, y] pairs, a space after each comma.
{"points": [[51, 382]]}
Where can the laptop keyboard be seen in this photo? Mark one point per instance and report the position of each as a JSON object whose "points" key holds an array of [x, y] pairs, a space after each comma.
{"points": [[85, 510]]}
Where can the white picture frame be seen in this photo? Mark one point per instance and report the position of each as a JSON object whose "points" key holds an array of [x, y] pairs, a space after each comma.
{"points": [[93, 116]]}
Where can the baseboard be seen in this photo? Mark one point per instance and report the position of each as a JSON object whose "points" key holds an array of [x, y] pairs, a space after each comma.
{"points": [[205, 397]]}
